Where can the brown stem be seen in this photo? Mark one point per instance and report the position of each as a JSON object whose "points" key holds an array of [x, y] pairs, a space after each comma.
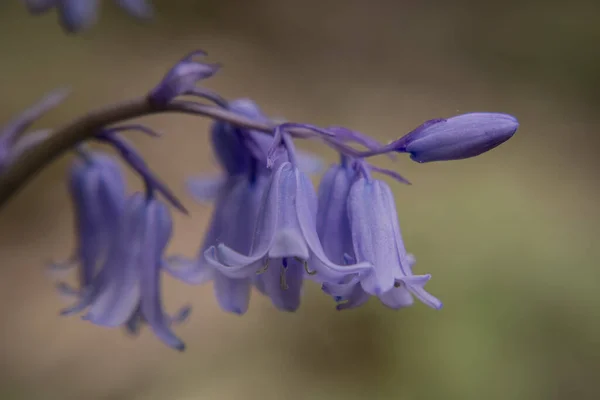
{"points": [[34, 160]]}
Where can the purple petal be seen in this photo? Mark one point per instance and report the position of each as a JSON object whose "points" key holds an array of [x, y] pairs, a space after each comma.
{"points": [[306, 209], [283, 285], [188, 271], [357, 298], [120, 293], [333, 226], [415, 285], [205, 190], [157, 233], [233, 295], [373, 224], [309, 163], [397, 298], [233, 264]]}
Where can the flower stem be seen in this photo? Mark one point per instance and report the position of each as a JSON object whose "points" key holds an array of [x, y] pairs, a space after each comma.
{"points": [[87, 126]]}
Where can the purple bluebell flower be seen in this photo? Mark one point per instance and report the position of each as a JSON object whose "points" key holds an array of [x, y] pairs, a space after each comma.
{"points": [[376, 238], [285, 245], [97, 189], [182, 79], [232, 223], [238, 193], [126, 290], [12, 141], [459, 137], [79, 15]]}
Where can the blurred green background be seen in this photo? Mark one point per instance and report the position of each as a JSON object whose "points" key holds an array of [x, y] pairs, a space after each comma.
{"points": [[509, 237]]}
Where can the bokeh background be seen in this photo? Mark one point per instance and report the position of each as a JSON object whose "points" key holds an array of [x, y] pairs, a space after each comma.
{"points": [[509, 237]]}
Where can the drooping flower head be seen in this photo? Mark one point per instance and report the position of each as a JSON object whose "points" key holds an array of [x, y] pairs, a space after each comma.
{"points": [[376, 238], [97, 190], [126, 290], [237, 195], [285, 245]]}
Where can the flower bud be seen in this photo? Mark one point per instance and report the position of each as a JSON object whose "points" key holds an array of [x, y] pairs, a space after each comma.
{"points": [[463, 136]]}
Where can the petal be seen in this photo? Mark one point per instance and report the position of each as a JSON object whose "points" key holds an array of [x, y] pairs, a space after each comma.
{"points": [[259, 284], [233, 295], [187, 270], [309, 163], [156, 236], [205, 190], [374, 226], [120, 292], [333, 226], [415, 284], [397, 298], [231, 263], [306, 205], [283, 285], [357, 298], [238, 265], [341, 290], [288, 243]]}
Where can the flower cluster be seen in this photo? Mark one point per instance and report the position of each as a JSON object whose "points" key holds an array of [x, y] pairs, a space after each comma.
{"points": [[270, 229]]}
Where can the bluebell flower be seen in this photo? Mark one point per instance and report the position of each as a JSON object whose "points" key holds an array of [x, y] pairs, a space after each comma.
{"points": [[376, 238], [79, 15], [459, 137], [182, 79], [232, 223], [12, 141], [237, 194], [285, 245], [97, 190], [126, 289]]}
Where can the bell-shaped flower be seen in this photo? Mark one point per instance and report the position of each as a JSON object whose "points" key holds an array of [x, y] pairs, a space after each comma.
{"points": [[97, 190], [459, 137], [377, 239], [78, 15], [232, 223], [285, 240], [127, 287]]}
